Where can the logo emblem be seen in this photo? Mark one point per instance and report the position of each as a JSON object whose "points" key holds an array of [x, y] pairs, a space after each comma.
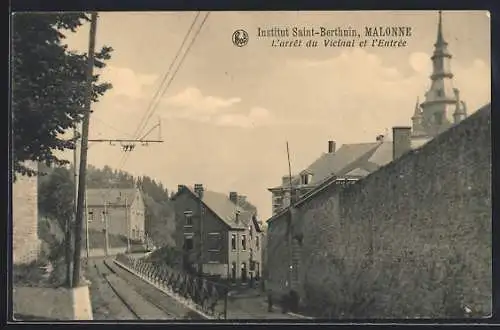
{"points": [[240, 38]]}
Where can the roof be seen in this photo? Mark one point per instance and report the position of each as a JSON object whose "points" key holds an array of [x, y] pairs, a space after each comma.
{"points": [[113, 196], [225, 209], [367, 156]]}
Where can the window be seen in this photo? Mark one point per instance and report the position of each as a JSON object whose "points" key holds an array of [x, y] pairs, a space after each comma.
{"points": [[188, 215], [233, 242], [244, 272], [439, 92], [214, 242], [233, 271], [295, 269], [188, 243], [438, 118], [90, 217], [257, 242], [243, 242]]}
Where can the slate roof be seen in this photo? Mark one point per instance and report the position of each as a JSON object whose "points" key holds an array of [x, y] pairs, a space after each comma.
{"points": [[222, 206], [113, 196], [368, 157]]}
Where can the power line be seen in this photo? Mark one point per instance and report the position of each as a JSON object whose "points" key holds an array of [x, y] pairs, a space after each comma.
{"points": [[123, 159], [151, 112], [142, 122], [111, 126], [180, 63]]}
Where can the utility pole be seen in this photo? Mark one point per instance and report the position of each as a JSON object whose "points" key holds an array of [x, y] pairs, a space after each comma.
{"points": [[106, 229], [128, 225], [289, 231], [83, 154], [200, 267], [87, 226]]}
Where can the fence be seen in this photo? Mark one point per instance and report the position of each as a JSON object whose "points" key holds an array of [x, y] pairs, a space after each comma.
{"points": [[209, 297]]}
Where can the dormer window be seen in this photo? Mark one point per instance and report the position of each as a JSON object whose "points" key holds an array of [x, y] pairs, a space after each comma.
{"points": [[306, 178]]}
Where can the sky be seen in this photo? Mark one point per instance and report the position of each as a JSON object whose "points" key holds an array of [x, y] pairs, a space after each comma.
{"points": [[228, 112]]}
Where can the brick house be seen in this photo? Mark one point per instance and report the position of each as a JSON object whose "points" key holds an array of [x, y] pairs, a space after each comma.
{"points": [[124, 210], [231, 241]]}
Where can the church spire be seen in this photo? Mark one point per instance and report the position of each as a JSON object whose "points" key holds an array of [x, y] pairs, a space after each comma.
{"points": [[440, 38], [441, 98]]}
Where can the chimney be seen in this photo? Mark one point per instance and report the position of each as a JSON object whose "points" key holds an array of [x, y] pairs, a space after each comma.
{"points": [[179, 188], [198, 189], [242, 199], [233, 197], [401, 144], [331, 147]]}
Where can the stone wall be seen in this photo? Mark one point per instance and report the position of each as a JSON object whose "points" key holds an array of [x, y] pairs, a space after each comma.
{"points": [[410, 240], [25, 242]]}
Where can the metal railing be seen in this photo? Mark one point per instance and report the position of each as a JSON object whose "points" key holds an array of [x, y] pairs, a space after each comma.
{"points": [[207, 296]]}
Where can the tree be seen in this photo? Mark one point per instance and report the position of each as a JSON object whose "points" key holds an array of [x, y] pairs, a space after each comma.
{"points": [[55, 200], [49, 86]]}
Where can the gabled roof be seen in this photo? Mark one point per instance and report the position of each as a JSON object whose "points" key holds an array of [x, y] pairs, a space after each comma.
{"points": [[225, 209], [368, 157], [112, 196]]}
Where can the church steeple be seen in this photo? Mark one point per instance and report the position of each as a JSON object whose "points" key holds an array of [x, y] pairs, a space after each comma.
{"points": [[440, 101]]}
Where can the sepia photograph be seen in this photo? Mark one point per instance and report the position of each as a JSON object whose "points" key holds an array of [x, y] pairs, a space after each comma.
{"points": [[253, 165]]}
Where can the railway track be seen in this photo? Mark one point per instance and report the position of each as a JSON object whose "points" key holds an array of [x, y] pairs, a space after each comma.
{"points": [[103, 271], [153, 295], [131, 300]]}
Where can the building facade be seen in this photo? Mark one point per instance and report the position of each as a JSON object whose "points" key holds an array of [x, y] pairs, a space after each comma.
{"points": [[25, 241], [217, 234], [120, 211]]}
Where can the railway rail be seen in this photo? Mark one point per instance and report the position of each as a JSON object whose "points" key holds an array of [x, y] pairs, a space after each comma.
{"points": [[143, 308]]}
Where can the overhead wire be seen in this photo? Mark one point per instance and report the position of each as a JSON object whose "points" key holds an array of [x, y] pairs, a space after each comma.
{"points": [[152, 109]]}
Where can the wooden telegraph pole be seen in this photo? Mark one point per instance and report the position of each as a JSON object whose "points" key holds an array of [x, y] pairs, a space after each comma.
{"points": [[289, 231], [128, 225], [83, 155]]}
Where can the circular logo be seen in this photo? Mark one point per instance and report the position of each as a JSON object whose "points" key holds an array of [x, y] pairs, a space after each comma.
{"points": [[240, 38]]}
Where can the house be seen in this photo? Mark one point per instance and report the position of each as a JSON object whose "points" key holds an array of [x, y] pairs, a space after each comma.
{"points": [[394, 205], [218, 235], [423, 211], [121, 211], [441, 109]]}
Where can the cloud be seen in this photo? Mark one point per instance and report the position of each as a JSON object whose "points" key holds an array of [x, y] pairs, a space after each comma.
{"points": [[127, 82], [257, 116], [191, 104], [365, 94]]}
